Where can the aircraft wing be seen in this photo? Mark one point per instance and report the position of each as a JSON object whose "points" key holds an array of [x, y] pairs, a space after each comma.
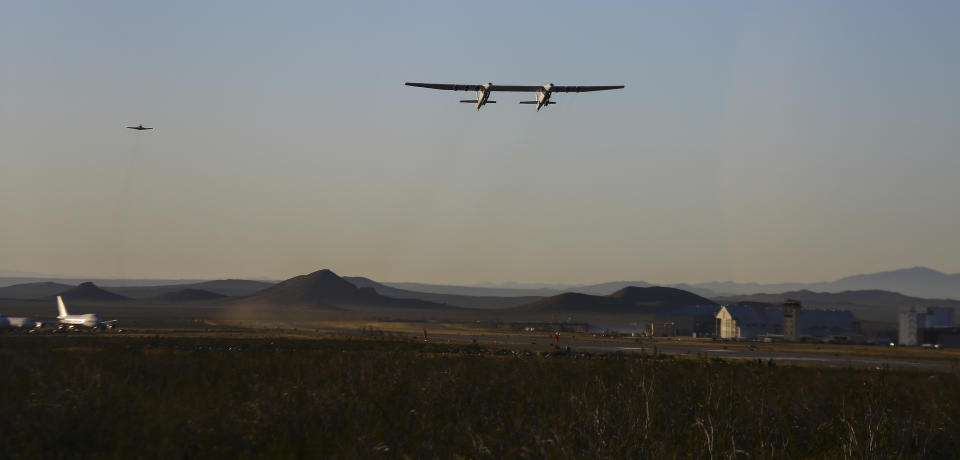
{"points": [[555, 88], [582, 89], [455, 87], [514, 88], [444, 86], [517, 88]]}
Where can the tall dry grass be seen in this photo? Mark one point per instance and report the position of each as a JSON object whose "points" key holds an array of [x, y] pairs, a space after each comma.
{"points": [[129, 397]]}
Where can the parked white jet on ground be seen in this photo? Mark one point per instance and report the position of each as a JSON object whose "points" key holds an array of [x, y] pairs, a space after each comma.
{"points": [[15, 322], [542, 92], [90, 320]]}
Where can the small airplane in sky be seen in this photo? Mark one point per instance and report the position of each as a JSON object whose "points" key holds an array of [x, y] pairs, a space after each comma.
{"points": [[89, 320], [138, 127], [542, 92]]}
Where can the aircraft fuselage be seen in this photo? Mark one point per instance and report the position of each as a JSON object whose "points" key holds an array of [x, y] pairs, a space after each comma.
{"points": [[88, 320], [483, 95], [543, 97]]}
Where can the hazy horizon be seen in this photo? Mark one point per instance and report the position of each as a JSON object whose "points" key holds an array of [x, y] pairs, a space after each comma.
{"points": [[754, 141], [495, 284]]}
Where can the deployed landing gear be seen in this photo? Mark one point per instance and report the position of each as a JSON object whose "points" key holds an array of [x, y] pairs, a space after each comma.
{"points": [[483, 96]]}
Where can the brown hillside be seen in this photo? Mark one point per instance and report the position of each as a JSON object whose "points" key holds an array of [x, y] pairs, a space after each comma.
{"points": [[325, 289], [627, 300], [188, 295], [658, 296], [88, 291]]}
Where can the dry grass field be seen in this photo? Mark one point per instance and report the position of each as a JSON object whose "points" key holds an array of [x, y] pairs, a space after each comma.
{"points": [[193, 392]]}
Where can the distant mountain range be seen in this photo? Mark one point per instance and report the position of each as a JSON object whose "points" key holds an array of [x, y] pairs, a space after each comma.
{"points": [[474, 291], [188, 295], [465, 301], [222, 287], [324, 289], [11, 280], [487, 291], [629, 300], [916, 282], [873, 305], [35, 290]]}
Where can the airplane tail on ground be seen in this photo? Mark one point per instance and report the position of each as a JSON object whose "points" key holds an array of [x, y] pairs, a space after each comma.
{"points": [[61, 307]]}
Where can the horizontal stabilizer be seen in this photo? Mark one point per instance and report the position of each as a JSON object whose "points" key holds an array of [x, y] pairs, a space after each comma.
{"points": [[474, 101], [534, 102]]}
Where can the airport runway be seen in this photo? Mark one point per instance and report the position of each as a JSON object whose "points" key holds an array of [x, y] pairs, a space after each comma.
{"points": [[779, 357], [856, 356], [741, 352]]}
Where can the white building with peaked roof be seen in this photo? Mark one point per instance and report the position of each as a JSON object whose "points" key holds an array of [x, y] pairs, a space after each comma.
{"points": [[741, 321], [749, 321]]}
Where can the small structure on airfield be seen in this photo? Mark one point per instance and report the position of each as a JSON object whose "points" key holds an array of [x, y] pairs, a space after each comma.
{"points": [[791, 320], [908, 327]]}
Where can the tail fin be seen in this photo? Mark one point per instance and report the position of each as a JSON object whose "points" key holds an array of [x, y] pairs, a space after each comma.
{"points": [[61, 307]]}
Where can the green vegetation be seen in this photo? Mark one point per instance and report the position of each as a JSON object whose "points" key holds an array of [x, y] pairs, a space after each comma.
{"points": [[116, 396]]}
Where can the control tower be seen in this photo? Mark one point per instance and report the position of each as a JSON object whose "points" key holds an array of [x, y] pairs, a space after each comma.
{"points": [[791, 320]]}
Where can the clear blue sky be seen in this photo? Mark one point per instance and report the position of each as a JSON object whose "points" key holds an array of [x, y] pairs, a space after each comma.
{"points": [[755, 141]]}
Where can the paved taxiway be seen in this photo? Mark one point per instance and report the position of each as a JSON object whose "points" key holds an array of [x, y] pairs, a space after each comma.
{"points": [[739, 352]]}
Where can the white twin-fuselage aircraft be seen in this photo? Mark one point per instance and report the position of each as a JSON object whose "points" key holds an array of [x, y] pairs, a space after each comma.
{"points": [[483, 91], [89, 320]]}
